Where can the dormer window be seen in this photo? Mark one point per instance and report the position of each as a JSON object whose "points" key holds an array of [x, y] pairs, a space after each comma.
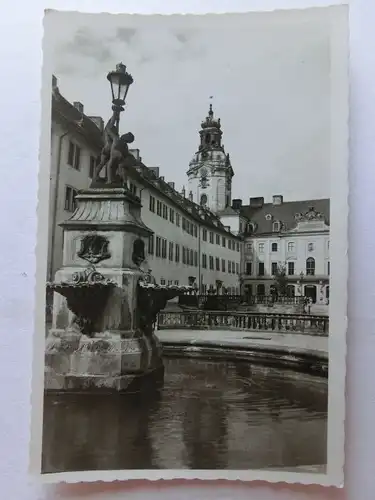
{"points": [[268, 217], [276, 226]]}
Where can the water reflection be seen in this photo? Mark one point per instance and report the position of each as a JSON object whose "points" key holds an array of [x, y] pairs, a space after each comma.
{"points": [[209, 415]]}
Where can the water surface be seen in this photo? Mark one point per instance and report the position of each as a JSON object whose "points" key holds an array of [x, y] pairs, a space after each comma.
{"points": [[209, 415]]}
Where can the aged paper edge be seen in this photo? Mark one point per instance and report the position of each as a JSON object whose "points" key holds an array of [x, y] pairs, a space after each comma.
{"points": [[339, 281]]}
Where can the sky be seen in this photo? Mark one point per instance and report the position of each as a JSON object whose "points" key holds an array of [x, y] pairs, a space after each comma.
{"points": [[268, 73]]}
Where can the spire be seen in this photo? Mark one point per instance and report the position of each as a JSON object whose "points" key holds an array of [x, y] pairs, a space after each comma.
{"points": [[210, 121], [210, 112]]}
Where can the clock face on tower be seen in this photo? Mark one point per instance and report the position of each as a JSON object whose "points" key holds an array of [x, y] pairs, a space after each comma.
{"points": [[204, 180]]}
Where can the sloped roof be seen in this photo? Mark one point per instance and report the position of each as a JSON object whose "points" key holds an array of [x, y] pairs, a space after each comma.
{"points": [[63, 110], [228, 211], [284, 213]]}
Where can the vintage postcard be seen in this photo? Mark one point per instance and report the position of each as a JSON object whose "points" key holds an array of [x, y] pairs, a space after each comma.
{"points": [[192, 247]]}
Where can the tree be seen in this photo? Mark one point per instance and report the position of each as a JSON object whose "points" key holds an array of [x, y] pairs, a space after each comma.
{"points": [[280, 280]]}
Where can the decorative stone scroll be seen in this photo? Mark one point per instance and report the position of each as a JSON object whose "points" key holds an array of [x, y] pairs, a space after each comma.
{"points": [[86, 295], [309, 216]]}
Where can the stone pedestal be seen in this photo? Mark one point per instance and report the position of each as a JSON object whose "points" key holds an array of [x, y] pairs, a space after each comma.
{"points": [[97, 340]]}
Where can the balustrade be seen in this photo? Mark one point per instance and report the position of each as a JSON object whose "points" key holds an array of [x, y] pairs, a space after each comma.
{"points": [[200, 320]]}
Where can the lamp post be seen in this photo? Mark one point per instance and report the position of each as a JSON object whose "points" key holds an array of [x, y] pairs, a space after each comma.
{"points": [[300, 282], [120, 81]]}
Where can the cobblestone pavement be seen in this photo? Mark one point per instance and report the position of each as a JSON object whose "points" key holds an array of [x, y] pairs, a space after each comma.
{"points": [[283, 341]]}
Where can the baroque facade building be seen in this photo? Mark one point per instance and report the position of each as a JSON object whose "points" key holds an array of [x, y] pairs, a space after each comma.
{"points": [[290, 239], [190, 243]]}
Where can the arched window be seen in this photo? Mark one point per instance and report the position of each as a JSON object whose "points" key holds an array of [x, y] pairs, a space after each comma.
{"points": [[310, 266], [261, 290], [204, 199], [274, 247], [207, 139]]}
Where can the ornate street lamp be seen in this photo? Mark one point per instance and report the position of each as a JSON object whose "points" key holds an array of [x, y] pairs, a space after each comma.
{"points": [[120, 81], [115, 150]]}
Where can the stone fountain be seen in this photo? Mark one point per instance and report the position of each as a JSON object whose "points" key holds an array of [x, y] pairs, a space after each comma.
{"points": [[105, 306]]}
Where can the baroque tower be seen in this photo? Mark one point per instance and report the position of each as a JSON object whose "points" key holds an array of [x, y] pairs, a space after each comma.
{"points": [[210, 171]]}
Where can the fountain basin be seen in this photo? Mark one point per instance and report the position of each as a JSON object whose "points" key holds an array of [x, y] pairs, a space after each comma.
{"points": [[123, 355]]}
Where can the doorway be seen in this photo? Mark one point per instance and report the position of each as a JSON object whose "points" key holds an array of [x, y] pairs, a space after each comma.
{"points": [[310, 292]]}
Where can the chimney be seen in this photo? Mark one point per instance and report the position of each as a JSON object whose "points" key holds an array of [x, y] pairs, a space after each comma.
{"points": [[277, 199], [135, 153], [236, 204], [257, 202], [162, 178], [78, 105], [54, 82], [155, 171], [98, 120], [171, 184]]}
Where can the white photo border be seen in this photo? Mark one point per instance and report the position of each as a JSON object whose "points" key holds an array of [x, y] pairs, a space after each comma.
{"points": [[339, 208]]}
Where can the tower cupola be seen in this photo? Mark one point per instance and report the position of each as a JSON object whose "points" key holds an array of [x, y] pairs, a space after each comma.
{"points": [[210, 133], [210, 171]]}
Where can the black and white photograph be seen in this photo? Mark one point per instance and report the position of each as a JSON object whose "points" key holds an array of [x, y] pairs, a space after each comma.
{"points": [[192, 246]]}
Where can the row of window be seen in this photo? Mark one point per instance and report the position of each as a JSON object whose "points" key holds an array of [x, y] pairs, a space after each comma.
{"points": [[210, 236], [214, 263], [160, 247], [290, 269], [246, 227], [275, 247], [170, 282], [161, 209]]}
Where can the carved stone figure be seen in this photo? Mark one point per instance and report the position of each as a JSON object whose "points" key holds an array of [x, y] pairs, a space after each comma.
{"points": [[94, 248], [115, 154]]}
